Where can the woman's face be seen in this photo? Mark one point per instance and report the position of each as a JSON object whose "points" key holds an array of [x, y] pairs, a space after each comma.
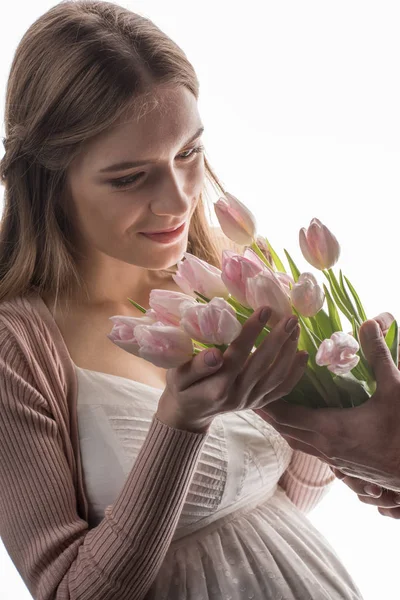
{"points": [[159, 190]]}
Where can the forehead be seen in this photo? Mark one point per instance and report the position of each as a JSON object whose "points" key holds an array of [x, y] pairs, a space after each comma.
{"points": [[158, 124]]}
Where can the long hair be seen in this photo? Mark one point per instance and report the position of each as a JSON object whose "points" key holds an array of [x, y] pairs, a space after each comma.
{"points": [[78, 68]]}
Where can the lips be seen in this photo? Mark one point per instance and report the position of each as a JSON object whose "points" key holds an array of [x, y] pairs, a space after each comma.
{"points": [[166, 237], [163, 230]]}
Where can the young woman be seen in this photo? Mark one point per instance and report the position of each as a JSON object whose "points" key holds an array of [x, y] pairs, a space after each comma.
{"points": [[119, 480]]}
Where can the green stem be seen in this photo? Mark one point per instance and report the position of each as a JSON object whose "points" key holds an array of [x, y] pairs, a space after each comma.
{"points": [[257, 250]]}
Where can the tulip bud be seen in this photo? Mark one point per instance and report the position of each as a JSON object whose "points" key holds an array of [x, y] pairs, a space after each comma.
{"points": [[307, 296], [265, 290], [235, 219], [285, 280], [338, 353], [166, 305], [262, 244], [236, 269], [319, 246], [211, 323], [163, 345], [195, 274]]}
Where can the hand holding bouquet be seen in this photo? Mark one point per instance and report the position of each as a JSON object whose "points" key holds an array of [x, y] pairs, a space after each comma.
{"points": [[215, 303]]}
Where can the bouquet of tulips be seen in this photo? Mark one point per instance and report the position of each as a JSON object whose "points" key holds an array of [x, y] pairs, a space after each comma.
{"points": [[215, 303]]}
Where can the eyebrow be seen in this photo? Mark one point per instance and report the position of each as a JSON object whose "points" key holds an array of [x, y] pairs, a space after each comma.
{"points": [[121, 166]]}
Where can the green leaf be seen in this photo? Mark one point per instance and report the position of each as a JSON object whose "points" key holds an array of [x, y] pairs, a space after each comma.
{"points": [[295, 271], [256, 249], [240, 309], [334, 317], [323, 322], [321, 377], [354, 391], [204, 298], [305, 393], [357, 300], [337, 293], [138, 306], [278, 263], [392, 341], [349, 303]]}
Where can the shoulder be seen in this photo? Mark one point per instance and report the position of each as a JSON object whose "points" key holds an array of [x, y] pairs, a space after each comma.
{"points": [[21, 321], [30, 348]]}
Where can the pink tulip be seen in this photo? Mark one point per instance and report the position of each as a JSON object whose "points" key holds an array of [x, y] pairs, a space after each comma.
{"points": [[236, 269], [251, 255], [319, 246], [197, 275], [167, 303], [262, 244], [124, 327], [307, 296], [236, 221], [285, 280], [211, 323], [265, 290], [163, 345], [338, 353]]}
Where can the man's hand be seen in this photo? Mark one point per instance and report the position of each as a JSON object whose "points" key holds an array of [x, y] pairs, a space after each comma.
{"points": [[387, 501], [362, 442]]}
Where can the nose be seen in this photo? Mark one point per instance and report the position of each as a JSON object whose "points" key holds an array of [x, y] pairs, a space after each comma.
{"points": [[173, 195]]}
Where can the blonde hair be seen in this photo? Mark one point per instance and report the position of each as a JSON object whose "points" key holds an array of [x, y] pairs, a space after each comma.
{"points": [[75, 73]]}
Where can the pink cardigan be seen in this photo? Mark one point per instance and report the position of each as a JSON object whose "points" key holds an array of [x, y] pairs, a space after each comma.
{"points": [[43, 507]]}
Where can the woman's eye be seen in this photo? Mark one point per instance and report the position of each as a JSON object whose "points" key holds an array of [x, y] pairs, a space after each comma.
{"points": [[125, 181], [189, 153], [119, 183]]}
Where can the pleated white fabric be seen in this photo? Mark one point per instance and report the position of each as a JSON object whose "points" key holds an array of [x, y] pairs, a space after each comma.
{"points": [[238, 537]]}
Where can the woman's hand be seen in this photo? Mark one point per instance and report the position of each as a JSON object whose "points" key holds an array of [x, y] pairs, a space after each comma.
{"points": [[362, 442], [196, 392]]}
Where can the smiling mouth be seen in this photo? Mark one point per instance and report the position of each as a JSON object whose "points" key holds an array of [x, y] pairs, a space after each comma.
{"points": [[165, 237]]}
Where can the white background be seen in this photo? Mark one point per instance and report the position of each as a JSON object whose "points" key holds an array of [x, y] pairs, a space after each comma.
{"points": [[300, 101]]}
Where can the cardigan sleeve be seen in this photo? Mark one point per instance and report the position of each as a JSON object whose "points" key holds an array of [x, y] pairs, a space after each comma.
{"points": [[306, 480], [54, 551]]}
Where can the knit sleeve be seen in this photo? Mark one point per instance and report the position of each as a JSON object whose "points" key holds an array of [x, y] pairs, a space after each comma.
{"points": [[306, 480], [54, 551]]}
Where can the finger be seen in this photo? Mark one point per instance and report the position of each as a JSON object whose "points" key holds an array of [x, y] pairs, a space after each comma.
{"points": [[377, 353], [388, 499], [238, 351], [384, 321], [390, 512], [285, 332], [202, 365], [291, 379], [338, 473], [362, 487]]}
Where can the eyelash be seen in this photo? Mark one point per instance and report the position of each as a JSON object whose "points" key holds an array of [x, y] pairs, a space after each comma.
{"points": [[120, 183]]}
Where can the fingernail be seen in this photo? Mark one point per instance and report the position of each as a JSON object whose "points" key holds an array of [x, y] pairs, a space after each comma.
{"points": [[265, 315], [295, 333], [291, 324], [210, 359], [373, 490]]}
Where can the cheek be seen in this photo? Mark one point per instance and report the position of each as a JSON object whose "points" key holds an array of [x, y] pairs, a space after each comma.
{"points": [[196, 179]]}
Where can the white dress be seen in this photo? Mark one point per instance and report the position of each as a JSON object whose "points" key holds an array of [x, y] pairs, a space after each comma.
{"points": [[239, 537]]}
